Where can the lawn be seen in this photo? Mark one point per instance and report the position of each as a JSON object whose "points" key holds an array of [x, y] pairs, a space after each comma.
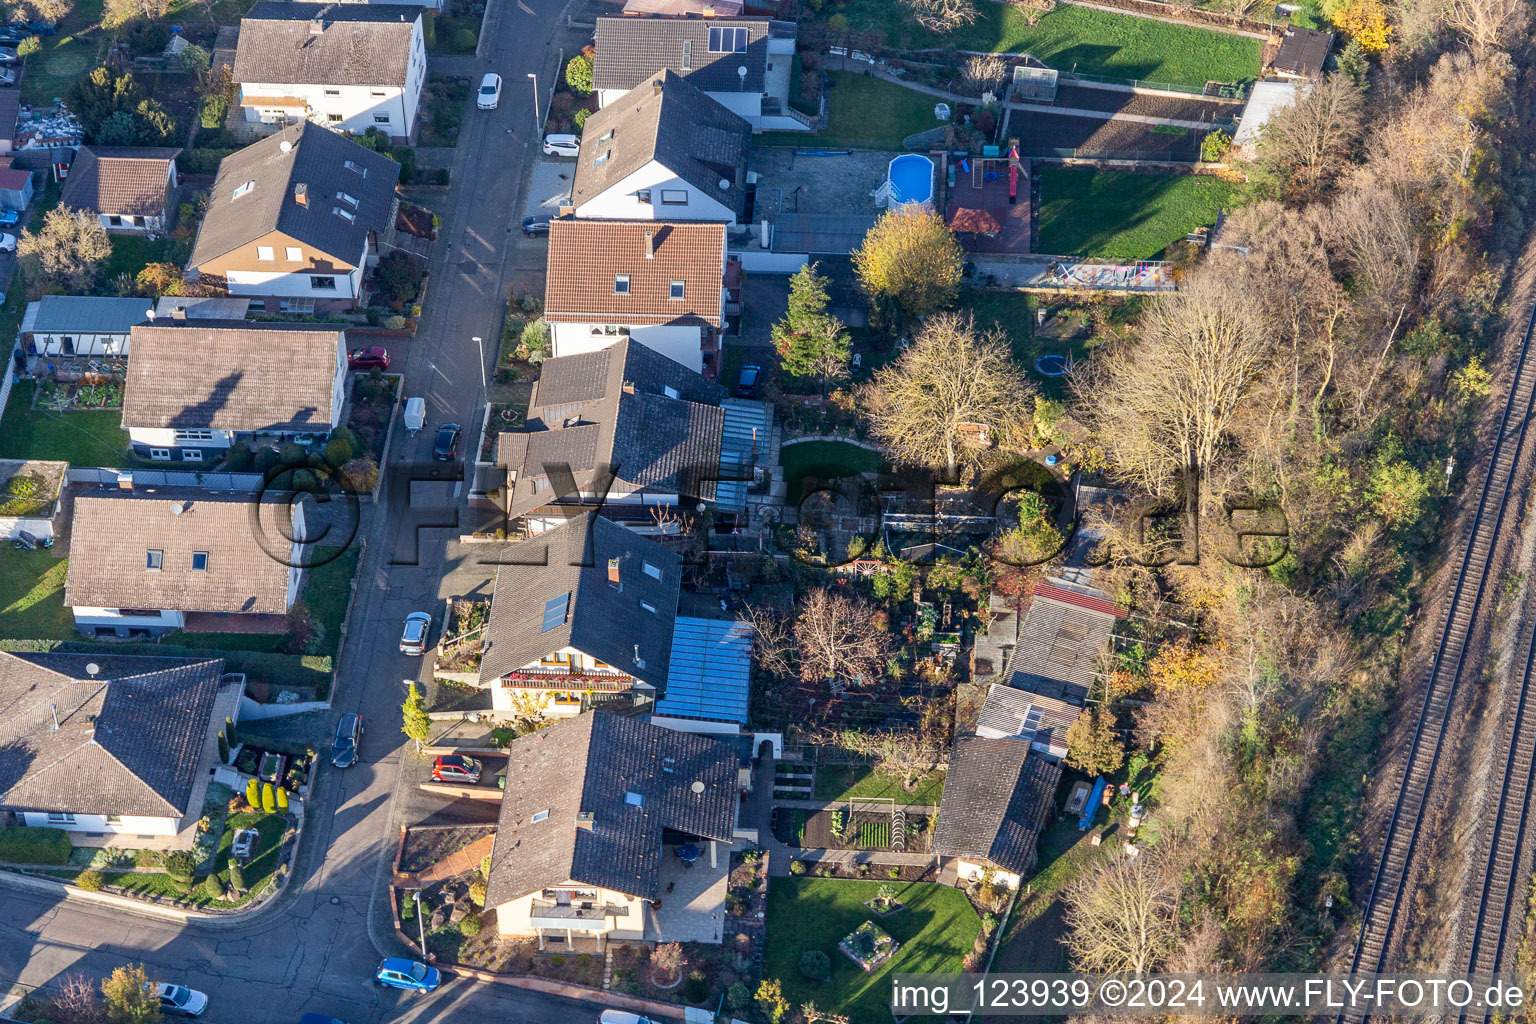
{"points": [[32, 596], [1086, 39], [864, 113], [845, 782], [1121, 216], [824, 460], [130, 253], [935, 931], [1035, 941], [64, 57], [94, 438]]}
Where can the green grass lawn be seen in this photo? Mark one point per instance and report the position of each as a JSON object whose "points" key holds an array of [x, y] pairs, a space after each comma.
{"points": [[935, 931], [846, 782], [130, 253], [864, 113], [32, 596], [1091, 41], [1121, 216], [824, 460], [1036, 938], [91, 438]]}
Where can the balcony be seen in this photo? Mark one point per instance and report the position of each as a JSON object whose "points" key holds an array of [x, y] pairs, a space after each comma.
{"points": [[575, 918], [556, 677]]}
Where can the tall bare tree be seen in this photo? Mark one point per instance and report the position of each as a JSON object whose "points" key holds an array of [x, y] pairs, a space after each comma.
{"points": [[941, 15], [1489, 25], [1123, 917], [1305, 145], [838, 639], [926, 407], [903, 756]]}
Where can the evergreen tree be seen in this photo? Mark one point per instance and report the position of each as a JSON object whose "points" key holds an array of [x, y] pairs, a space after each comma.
{"points": [[812, 343], [417, 725]]}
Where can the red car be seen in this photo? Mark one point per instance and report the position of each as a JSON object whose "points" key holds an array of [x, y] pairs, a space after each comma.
{"points": [[368, 358], [456, 768]]}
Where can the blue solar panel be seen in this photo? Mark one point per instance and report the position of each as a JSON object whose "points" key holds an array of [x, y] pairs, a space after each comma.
{"points": [[554, 612], [727, 40]]}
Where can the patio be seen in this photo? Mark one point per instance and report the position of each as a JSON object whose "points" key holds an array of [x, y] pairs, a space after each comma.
{"points": [[692, 896]]}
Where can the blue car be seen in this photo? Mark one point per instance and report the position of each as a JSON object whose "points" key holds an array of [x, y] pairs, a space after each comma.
{"points": [[408, 975], [9, 218]]}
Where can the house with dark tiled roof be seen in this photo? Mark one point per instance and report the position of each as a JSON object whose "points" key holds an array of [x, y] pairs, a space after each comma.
{"points": [[664, 284], [194, 386], [615, 829], [294, 220], [128, 188], [997, 798], [348, 66], [744, 64], [625, 422], [117, 750], [1303, 53], [144, 561], [664, 150]]}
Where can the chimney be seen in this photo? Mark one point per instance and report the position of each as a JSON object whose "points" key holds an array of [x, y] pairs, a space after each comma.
{"points": [[125, 481], [709, 10], [613, 572], [629, 387], [566, 211], [179, 313], [650, 245], [656, 87], [316, 26], [301, 193], [584, 820]]}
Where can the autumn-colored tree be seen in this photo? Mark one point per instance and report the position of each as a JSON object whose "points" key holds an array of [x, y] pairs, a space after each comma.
{"points": [[1365, 21], [1093, 747], [1184, 665], [910, 258], [161, 279], [68, 248], [771, 1001], [130, 997], [838, 639], [955, 390]]}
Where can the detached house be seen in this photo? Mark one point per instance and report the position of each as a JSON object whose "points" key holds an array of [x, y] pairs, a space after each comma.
{"points": [[128, 188], [117, 750], [662, 151], [194, 386], [348, 66], [997, 798], [632, 428], [581, 617], [294, 220], [148, 560], [744, 64], [591, 840], [662, 284]]}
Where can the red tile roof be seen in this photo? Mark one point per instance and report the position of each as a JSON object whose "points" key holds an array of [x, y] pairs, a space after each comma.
{"points": [[586, 256]]}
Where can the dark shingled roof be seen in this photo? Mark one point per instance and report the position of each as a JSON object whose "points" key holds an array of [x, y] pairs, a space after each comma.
{"points": [[674, 124], [222, 375], [604, 621], [128, 740], [1303, 52], [996, 800], [587, 765], [359, 44], [318, 159], [622, 420], [630, 50], [119, 180]]}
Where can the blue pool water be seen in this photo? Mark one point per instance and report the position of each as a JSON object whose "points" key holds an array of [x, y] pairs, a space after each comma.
{"points": [[911, 175]]}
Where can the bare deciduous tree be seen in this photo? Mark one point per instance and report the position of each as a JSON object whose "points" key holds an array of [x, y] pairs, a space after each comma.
{"points": [[1489, 24], [837, 639], [933, 405], [941, 15], [69, 247], [773, 640], [984, 72], [1123, 917], [76, 1002], [903, 756], [1305, 145]]}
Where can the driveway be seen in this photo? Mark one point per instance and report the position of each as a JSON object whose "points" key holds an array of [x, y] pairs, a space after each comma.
{"points": [[315, 948]]}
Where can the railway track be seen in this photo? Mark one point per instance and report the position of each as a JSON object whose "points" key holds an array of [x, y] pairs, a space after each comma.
{"points": [[1508, 848]]}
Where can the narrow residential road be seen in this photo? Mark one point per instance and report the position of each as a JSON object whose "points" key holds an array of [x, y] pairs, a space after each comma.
{"points": [[315, 948]]}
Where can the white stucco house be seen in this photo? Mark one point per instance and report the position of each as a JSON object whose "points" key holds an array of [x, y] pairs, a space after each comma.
{"points": [[127, 188], [662, 151], [744, 64], [115, 750], [349, 66], [145, 561]]}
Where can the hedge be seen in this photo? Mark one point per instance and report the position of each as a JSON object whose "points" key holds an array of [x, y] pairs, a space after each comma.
{"points": [[29, 844], [281, 670], [201, 161]]}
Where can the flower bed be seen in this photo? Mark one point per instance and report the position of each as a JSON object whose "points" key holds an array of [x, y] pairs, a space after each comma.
{"points": [[869, 946]]}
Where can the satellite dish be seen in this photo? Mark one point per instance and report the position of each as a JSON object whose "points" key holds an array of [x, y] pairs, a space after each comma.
{"points": [[285, 146], [725, 184], [92, 669], [697, 787]]}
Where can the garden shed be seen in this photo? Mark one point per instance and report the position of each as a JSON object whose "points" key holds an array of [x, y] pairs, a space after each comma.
{"points": [[81, 325]]}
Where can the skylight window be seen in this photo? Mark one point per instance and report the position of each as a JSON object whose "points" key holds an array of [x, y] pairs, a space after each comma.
{"points": [[349, 200], [727, 40], [670, 391], [241, 190], [356, 168], [650, 570], [602, 158], [540, 815], [154, 558], [346, 215], [676, 290], [554, 611], [634, 799], [199, 561], [621, 284]]}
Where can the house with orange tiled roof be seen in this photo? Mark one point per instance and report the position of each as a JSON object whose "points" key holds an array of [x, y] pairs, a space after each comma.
{"points": [[663, 284]]}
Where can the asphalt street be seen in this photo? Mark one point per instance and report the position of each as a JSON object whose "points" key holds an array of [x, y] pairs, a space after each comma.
{"points": [[315, 947]]}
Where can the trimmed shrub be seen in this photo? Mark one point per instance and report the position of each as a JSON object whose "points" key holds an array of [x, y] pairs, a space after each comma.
{"points": [[90, 881], [578, 75], [253, 792], [470, 926], [463, 40], [241, 459], [180, 866], [282, 800], [213, 888], [236, 875], [223, 748], [28, 844], [268, 798], [816, 965], [738, 997], [797, 867], [579, 119]]}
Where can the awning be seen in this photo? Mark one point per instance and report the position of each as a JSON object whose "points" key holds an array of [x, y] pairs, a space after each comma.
{"points": [[275, 102]]}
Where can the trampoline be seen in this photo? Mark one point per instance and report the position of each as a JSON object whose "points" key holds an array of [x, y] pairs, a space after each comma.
{"points": [[1052, 365]]}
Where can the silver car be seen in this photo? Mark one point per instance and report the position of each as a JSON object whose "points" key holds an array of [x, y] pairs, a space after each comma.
{"points": [[414, 639], [180, 1000]]}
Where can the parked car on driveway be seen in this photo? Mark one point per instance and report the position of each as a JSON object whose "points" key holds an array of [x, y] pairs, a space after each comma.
{"points": [[447, 445], [409, 975], [244, 844], [7, 76], [9, 218], [456, 768], [562, 145], [414, 639], [368, 358], [180, 1000], [490, 91], [750, 380], [538, 224], [624, 1017], [7, 243], [349, 733], [8, 55]]}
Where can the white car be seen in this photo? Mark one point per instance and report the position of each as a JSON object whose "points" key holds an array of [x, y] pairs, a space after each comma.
{"points": [[624, 1017], [180, 1000], [490, 91], [7, 243], [562, 145]]}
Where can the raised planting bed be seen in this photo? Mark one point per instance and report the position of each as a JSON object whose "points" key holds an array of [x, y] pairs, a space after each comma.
{"points": [[869, 946], [272, 765]]}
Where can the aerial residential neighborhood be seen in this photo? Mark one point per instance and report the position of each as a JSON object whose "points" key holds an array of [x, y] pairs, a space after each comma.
{"points": [[760, 511]]}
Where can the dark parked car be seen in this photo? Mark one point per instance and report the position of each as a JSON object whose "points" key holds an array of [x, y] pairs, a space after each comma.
{"points": [[456, 768], [750, 380], [42, 28], [368, 358], [447, 445], [349, 733], [536, 225]]}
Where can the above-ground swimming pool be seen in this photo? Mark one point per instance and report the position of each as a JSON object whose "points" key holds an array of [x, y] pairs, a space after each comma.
{"points": [[911, 177]]}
